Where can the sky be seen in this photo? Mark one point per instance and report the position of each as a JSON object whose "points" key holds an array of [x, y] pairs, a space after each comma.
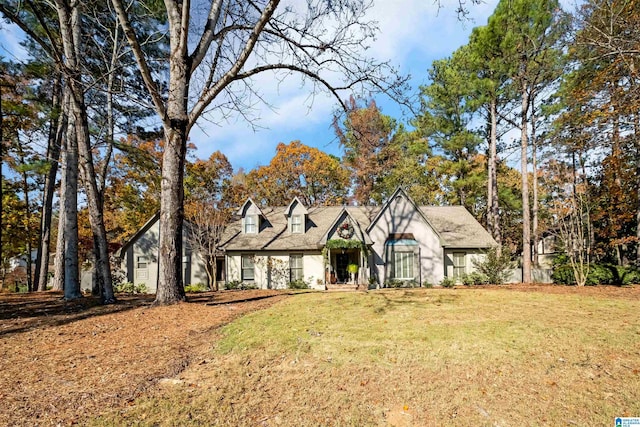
{"points": [[413, 33]]}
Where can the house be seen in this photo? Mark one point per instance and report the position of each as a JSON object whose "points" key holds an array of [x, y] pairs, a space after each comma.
{"points": [[140, 258], [370, 246]]}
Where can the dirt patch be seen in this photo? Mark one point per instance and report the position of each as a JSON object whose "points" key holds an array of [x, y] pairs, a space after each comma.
{"points": [[62, 361]]}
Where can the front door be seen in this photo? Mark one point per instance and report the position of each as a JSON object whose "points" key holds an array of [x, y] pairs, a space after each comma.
{"points": [[342, 260]]}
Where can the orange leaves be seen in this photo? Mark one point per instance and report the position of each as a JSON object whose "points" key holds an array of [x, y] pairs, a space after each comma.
{"points": [[298, 170]]}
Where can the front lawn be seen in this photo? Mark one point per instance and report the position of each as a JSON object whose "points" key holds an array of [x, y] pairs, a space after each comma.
{"points": [[494, 357]]}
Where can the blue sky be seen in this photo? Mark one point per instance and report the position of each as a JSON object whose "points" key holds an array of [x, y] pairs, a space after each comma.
{"points": [[413, 33]]}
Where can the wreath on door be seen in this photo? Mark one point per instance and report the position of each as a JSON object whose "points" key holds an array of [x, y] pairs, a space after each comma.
{"points": [[345, 230]]}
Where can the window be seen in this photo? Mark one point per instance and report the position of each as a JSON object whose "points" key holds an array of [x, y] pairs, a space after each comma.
{"points": [[458, 264], [250, 224], [403, 265], [143, 262], [247, 267], [296, 271], [296, 223]]}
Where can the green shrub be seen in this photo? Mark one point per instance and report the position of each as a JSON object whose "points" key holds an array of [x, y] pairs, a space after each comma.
{"points": [[196, 287], [396, 283], [495, 268], [474, 279], [130, 288], [125, 288], [448, 282], [630, 276], [298, 284], [237, 285], [563, 275], [599, 274]]}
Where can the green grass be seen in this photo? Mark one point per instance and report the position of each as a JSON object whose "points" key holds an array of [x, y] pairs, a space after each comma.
{"points": [[413, 357]]}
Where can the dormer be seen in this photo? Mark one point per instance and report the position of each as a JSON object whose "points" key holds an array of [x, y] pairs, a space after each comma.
{"points": [[296, 215], [252, 217]]}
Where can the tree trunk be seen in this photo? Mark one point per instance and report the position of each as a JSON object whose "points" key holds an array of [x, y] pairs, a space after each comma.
{"points": [[56, 128], [71, 272], [69, 18], [526, 220], [27, 217], [95, 204], [493, 202], [534, 161], [59, 267], [170, 286], [214, 274]]}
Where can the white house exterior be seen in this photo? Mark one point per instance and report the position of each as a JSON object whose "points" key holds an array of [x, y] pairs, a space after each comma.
{"points": [[269, 247]]}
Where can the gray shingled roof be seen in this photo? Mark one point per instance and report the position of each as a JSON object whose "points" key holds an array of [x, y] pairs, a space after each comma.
{"points": [[456, 226], [273, 233]]}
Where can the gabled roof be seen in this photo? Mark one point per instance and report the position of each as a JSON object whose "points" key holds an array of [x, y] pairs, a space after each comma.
{"points": [[342, 216], [276, 236], [244, 205], [400, 192], [147, 225], [458, 228], [287, 211]]}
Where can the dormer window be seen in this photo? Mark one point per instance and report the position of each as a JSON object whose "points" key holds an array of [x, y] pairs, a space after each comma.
{"points": [[252, 217], [296, 224], [250, 224], [296, 215]]}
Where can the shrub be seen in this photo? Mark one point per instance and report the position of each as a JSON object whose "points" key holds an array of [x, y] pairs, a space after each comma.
{"points": [[352, 268], [599, 274], [396, 283], [196, 287], [630, 276], [448, 282], [298, 284], [125, 288], [474, 279], [130, 288], [237, 285], [495, 268]]}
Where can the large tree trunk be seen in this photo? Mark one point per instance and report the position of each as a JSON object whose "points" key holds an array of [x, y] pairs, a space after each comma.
{"points": [[71, 272], [526, 220], [95, 204], [67, 133], [170, 287], [69, 18], [56, 127]]}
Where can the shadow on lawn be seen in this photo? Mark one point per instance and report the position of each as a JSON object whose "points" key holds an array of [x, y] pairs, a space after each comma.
{"points": [[393, 299], [20, 313], [24, 312]]}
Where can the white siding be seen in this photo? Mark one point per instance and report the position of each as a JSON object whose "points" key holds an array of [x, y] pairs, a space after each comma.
{"points": [[313, 265]]}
